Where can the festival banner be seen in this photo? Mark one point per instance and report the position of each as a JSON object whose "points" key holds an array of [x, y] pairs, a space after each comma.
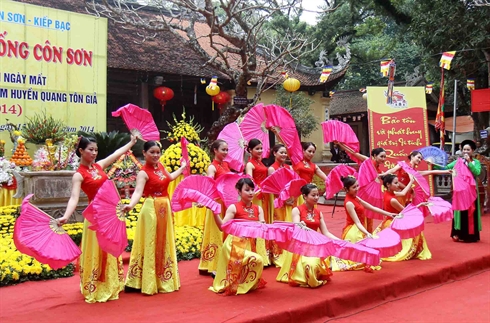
{"points": [[400, 127], [54, 61]]}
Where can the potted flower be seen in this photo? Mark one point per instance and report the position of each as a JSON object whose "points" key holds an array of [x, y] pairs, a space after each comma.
{"points": [[7, 169], [41, 127]]}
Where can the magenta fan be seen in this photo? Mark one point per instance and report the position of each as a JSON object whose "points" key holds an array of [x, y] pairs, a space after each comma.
{"points": [[185, 156], [284, 183], [387, 242], [247, 229], [304, 241], [110, 220], [236, 145], [196, 189], [464, 187], [419, 179], [370, 188], [334, 184], [277, 181], [225, 185], [334, 130], [253, 126], [410, 222], [280, 121], [357, 253], [292, 189], [139, 122], [38, 235], [441, 210]]}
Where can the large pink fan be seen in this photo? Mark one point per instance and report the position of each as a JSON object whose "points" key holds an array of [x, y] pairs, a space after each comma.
{"points": [[370, 188], [464, 187], [38, 235], [441, 210], [410, 222], [334, 130], [304, 241], [253, 126], [185, 156], [334, 184], [280, 121], [284, 183], [387, 241], [422, 189], [225, 185], [292, 189], [250, 229], [236, 145], [357, 253], [139, 121], [110, 220], [196, 189]]}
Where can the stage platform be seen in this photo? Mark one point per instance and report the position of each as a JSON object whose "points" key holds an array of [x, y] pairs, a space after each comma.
{"points": [[347, 293]]}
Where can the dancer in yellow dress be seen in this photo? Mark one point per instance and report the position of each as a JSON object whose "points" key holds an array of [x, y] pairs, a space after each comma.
{"points": [[240, 266], [355, 226], [212, 239], [306, 169], [392, 202], [256, 169], [280, 154], [300, 270], [153, 263], [101, 274]]}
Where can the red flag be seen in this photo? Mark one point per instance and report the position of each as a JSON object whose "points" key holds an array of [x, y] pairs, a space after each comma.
{"points": [[440, 123], [480, 100]]}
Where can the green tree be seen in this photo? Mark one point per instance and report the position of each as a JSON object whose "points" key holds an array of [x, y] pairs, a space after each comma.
{"points": [[298, 104]]}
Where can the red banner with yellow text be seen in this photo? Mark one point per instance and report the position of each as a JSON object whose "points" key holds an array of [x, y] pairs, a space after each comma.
{"points": [[400, 127]]}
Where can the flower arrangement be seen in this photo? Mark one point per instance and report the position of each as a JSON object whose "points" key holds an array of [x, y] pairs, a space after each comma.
{"points": [[57, 157], [199, 160], [187, 129], [41, 127], [124, 171], [7, 169]]}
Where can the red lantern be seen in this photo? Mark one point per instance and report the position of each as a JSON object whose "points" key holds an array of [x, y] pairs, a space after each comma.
{"points": [[163, 94], [221, 98]]}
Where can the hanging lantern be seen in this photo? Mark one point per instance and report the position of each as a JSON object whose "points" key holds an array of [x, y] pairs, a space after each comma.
{"points": [[291, 84], [221, 99], [213, 89], [163, 94]]}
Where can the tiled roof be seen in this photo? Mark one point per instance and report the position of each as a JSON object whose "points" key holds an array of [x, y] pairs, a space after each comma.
{"points": [[347, 102]]}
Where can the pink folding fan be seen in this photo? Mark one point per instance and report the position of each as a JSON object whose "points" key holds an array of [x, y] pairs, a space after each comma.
{"points": [[464, 187], [284, 183], [247, 229], [280, 121], [38, 235], [110, 220], [236, 145], [196, 189], [334, 130], [253, 126], [441, 210], [410, 222], [370, 188], [357, 253], [387, 242], [225, 185], [334, 184], [139, 122], [422, 188]]}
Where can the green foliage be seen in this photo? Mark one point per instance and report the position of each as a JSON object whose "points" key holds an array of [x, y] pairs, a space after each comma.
{"points": [[107, 143], [41, 127], [298, 104]]}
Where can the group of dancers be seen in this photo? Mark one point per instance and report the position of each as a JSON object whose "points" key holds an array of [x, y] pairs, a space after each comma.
{"points": [[235, 262]]}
